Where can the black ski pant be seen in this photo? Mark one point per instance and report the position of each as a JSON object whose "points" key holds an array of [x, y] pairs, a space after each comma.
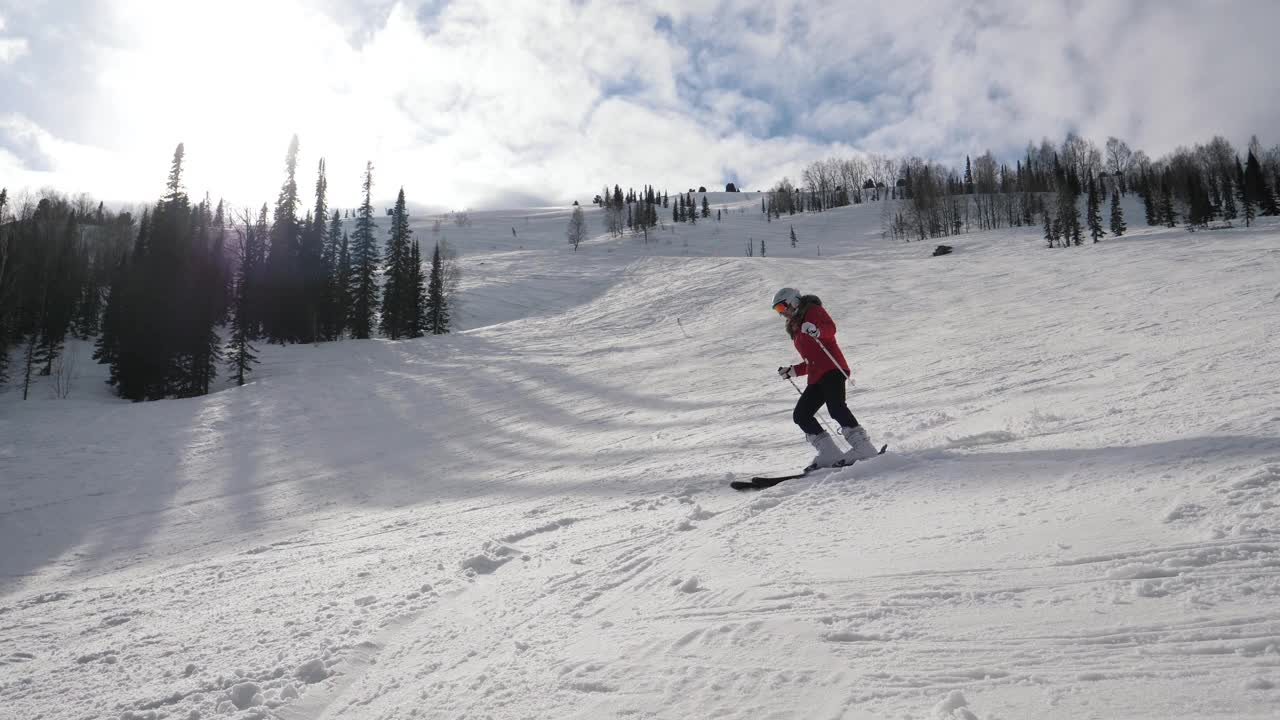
{"points": [[829, 391]]}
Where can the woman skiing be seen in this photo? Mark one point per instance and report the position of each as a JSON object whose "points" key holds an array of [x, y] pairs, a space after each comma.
{"points": [[814, 334]]}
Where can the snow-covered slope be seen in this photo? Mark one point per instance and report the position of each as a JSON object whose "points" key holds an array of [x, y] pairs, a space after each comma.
{"points": [[531, 518]]}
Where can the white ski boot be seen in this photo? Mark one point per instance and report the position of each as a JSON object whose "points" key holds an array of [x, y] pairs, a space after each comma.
{"points": [[829, 454], [860, 447]]}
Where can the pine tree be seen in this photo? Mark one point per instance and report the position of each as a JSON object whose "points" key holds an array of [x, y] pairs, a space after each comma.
{"points": [[793, 236], [1117, 214], [119, 321], [40, 238], [1258, 190], [240, 351], [1149, 204], [1094, 210], [159, 335], [398, 296], [203, 293], [104, 351], [258, 294], [29, 363], [1248, 203], [1049, 234], [33, 287], [313, 263], [88, 305], [222, 283], [1167, 214], [1062, 213], [331, 319], [165, 372], [364, 261], [1229, 211], [342, 288], [62, 290], [418, 322], [1198, 209], [283, 277], [706, 207], [437, 307]]}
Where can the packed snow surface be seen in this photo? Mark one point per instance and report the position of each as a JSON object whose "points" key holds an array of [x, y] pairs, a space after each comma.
{"points": [[1079, 516]]}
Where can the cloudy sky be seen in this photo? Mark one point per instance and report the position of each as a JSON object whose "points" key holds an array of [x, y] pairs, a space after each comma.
{"points": [[475, 103]]}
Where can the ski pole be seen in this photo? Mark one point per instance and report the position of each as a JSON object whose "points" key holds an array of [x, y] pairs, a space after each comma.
{"points": [[833, 360]]}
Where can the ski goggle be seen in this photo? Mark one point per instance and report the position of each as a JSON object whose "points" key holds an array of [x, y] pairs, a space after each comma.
{"points": [[781, 307]]}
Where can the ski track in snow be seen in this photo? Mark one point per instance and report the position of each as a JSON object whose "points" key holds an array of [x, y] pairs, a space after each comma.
{"points": [[1078, 516]]}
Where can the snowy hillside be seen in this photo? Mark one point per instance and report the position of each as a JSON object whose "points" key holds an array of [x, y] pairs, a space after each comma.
{"points": [[1078, 516]]}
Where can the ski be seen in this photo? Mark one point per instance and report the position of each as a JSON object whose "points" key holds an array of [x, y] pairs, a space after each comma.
{"points": [[760, 483]]}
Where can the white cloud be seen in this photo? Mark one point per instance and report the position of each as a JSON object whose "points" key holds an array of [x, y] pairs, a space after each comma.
{"points": [[475, 99], [89, 166], [842, 116], [732, 110], [11, 48]]}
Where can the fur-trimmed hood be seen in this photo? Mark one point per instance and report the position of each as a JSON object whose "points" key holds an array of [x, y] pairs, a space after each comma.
{"points": [[797, 319]]}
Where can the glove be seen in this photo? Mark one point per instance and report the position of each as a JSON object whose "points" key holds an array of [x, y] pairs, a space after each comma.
{"points": [[811, 330], [786, 372]]}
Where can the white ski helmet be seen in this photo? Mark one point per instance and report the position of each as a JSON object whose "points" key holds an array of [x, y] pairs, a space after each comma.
{"points": [[786, 296]]}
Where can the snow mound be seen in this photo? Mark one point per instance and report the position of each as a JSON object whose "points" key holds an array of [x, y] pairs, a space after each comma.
{"points": [[311, 672], [245, 695], [954, 707]]}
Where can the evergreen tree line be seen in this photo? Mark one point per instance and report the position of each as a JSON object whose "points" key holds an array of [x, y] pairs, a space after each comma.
{"points": [[637, 212], [167, 298], [633, 211], [161, 297], [56, 262], [1193, 185], [1199, 192], [687, 209]]}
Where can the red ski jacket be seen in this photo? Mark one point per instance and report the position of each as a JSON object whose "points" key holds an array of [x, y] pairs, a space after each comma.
{"points": [[816, 363]]}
